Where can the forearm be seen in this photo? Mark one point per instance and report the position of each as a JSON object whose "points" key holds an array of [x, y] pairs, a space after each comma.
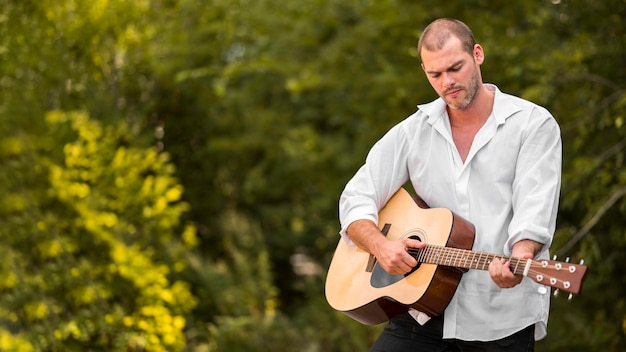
{"points": [[524, 248], [366, 235]]}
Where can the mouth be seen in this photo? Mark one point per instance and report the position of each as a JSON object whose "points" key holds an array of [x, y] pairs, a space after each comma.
{"points": [[453, 92]]}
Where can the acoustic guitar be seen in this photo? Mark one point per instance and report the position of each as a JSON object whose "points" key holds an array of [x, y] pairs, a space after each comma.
{"points": [[359, 287]]}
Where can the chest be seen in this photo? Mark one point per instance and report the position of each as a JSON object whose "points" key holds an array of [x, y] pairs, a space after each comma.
{"points": [[463, 139]]}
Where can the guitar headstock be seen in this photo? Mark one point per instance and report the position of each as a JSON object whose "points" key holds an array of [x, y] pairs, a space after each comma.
{"points": [[563, 276]]}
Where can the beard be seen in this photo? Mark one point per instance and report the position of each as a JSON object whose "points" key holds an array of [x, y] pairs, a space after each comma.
{"points": [[470, 92]]}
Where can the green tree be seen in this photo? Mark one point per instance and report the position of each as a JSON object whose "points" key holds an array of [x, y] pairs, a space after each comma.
{"points": [[266, 109], [291, 96], [88, 243], [586, 91]]}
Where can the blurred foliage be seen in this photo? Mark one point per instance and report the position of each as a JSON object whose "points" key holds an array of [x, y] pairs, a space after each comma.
{"points": [[88, 241], [171, 168]]}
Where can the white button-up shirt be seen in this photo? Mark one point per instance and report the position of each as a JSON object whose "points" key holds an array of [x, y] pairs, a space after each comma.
{"points": [[508, 187]]}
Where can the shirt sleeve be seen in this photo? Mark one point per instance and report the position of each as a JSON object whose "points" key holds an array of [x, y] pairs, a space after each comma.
{"points": [[537, 184], [384, 172]]}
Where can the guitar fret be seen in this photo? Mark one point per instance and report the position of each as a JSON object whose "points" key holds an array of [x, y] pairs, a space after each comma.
{"points": [[462, 258], [516, 269], [465, 258], [458, 256], [490, 258], [474, 261]]}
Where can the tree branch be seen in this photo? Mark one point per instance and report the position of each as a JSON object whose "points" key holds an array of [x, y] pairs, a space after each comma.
{"points": [[592, 222]]}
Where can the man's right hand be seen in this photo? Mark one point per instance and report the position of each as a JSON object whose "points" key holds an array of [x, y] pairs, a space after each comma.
{"points": [[393, 255]]}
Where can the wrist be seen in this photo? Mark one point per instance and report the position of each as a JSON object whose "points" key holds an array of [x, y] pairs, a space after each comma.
{"points": [[524, 248]]}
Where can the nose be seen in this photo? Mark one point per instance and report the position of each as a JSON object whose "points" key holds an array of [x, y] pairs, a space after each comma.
{"points": [[448, 80]]}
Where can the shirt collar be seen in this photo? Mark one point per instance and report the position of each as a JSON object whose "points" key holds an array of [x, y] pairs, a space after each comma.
{"points": [[503, 107]]}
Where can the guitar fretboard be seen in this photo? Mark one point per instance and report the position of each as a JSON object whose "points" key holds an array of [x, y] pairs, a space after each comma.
{"points": [[463, 258]]}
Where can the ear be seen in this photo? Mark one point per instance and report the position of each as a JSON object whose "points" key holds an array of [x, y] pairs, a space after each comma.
{"points": [[423, 69], [479, 54]]}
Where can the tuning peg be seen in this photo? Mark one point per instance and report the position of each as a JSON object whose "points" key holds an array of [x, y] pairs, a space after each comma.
{"points": [[582, 261], [554, 257], [556, 292], [567, 259], [569, 298]]}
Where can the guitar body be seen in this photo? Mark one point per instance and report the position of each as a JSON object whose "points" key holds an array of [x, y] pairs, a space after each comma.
{"points": [[357, 286]]}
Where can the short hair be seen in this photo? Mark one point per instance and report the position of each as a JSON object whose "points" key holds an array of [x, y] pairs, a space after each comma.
{"points": [[437, 33]]}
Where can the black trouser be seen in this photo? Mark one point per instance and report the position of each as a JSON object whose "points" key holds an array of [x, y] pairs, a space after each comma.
{"points": [[404, 334]]}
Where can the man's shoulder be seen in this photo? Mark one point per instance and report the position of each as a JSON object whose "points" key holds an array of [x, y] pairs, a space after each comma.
{"points": [[508, 105], [504, 98]]}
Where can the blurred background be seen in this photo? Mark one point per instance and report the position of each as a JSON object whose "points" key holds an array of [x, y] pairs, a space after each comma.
{"points": [[170, 169]]}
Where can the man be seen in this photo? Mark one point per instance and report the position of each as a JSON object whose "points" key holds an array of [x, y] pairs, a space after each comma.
{"points": [[490, 157]]}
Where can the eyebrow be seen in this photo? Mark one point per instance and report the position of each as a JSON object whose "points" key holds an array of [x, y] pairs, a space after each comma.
{"points": [[451, 67]]}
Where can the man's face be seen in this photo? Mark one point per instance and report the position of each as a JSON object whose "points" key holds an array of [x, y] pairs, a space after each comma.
{"points": [[454, 73]]}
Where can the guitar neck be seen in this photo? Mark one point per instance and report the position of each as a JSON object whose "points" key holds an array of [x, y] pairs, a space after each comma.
{"points": [[564, 276]]}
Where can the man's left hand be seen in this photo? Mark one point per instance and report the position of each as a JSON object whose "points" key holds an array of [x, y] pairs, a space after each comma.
{"points": [[500, 269]]}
